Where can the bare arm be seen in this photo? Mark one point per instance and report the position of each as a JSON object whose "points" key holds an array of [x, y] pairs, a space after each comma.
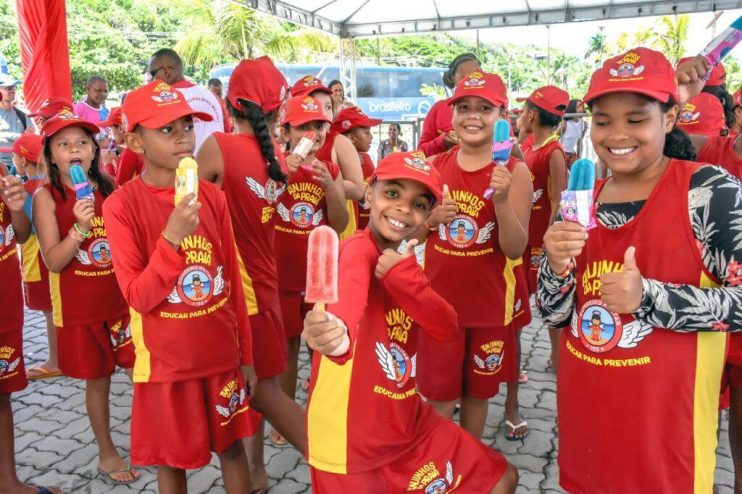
{"points": [[557, 181], [346, 156], [210, 161], [57, 252], [514, 212]]}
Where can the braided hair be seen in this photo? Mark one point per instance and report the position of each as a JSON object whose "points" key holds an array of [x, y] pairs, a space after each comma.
{"points": [[257, 120], [449, 75]]}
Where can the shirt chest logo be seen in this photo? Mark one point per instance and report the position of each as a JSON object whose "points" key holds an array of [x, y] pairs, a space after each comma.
{"points": [[268, 192], [98, 254], [301, 214], [464, 232], [395, 363], [600, 330]]}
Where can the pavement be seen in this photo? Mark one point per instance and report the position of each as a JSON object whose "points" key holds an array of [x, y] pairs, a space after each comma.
{"points": [[54, 442]]}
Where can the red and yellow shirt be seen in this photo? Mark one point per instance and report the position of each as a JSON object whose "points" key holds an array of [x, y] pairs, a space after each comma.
{"points": [[537, 161], [11, 294]]}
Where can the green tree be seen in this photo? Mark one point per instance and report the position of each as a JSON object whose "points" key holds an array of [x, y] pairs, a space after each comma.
{"points": [[595, 48], [671, 35]]}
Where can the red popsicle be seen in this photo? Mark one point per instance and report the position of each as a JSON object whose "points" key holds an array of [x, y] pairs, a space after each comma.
{"points": [[322, 267]]}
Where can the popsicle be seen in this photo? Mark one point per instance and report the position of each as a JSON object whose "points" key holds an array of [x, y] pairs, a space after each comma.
{"points": [[723, 44], [186, 179], [303, 147], [322, 267], [501, 146], [83, 190], [582, 175]]}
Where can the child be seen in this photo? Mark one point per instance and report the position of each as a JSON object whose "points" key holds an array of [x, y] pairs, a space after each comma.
{"points": [[337, 148], [470, 259], [89, 313], [250, 170], [653, 269], [356, 126], [14, 225], [703, 115], [365, 354], [193, 374], [314, 196], [51, 107], [125, 163], [547, 162], [26, 154]]}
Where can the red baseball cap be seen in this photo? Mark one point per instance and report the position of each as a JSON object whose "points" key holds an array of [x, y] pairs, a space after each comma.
{"points": [[410, 166], [303, 109], [155, 105], [639, 70], [482, 85], [703, 115], [307, 85], [718, 74], [550, 98], [737, 98], [29, 146], [257, 81], [65, 119], [52, 106], [114, 118], [351, 117]]}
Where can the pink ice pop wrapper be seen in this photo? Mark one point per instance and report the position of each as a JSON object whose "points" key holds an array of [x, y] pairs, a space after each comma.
{"points": [[322, 267]]}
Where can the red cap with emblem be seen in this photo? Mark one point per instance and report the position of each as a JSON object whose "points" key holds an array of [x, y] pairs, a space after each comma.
{"points": [[410, 166], [718, 74], [114, 118], [640, 70], [482, 85], [156, 105], [52, 106], [257, 81], [703, 115], [307, 85], [29, 146], [351, 117], [550, 98], [301, 110], [65, 119]]}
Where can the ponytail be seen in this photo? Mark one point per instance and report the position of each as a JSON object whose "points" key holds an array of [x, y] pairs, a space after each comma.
{"points": [[255, 117]]}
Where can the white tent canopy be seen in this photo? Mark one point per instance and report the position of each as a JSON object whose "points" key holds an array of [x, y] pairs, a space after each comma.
{"points": [[356, 18]]}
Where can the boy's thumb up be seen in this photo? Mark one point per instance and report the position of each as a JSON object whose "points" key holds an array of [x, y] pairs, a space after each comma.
{"points": [[629, 260]]}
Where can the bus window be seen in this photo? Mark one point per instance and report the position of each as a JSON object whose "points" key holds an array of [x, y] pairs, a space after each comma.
{"points": [[372, 83], [404, 84], [429, 78]]}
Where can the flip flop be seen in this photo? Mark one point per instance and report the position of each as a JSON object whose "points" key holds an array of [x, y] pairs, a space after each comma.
{"points": [[511, 436], [276, 438], [108, 475], [40, 489], [36, 372], [523, 376]]}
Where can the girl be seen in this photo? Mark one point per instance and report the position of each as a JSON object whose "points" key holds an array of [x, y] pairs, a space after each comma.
{"points": [[125, 163], [314, 196], [438, 135], [251, 172], [547, 163], [26, 154], [469, 259], [703, 116], [653, 270], [177, 266], [90, 315]]}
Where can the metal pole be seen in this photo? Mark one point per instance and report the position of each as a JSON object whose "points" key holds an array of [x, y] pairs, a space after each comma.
{"points": [[548, 54]]}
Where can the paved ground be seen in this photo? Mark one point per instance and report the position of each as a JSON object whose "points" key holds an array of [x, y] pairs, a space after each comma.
{"points": [[54, 440]]}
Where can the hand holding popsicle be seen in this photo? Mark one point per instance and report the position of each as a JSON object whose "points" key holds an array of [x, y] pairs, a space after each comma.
{"points": [[84, 210], [183, 220], [83, 190], [186, 180], [500, 184], [501, 147]]}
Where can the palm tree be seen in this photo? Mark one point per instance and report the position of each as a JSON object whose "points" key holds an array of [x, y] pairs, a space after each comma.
{"points": [[595, 47], [219, 31], [671, 35]]}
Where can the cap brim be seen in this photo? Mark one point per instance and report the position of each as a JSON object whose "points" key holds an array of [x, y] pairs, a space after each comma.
{"points": [[550, 110], [305, 119], [6, 150], [162, 118], [454, 99], [403, 176], [55, 127], [108, 123], [660, 96]]}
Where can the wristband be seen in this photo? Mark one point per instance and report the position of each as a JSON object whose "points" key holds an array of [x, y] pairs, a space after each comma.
{"points": [[75, 235], [170, 239], [82, 233]]}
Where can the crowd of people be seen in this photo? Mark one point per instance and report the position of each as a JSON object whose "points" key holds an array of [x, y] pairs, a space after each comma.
{"points": [[201, 299]]}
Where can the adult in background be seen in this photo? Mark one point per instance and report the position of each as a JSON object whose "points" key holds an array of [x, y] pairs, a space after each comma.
{"points": [[215, 86], [339, 101], [572, 130], [166, 65], [438, 135], [93, 107], [393, 144], [13, 122]]}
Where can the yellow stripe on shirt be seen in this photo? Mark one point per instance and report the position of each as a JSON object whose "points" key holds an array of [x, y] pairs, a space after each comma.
{"points": [[510, 283], [30, 256], [250, 298], [56, 295], [352, 226], [142, 362]]}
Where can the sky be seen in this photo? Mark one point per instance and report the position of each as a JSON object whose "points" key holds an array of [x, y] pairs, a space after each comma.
{"points": [[573, 38]]}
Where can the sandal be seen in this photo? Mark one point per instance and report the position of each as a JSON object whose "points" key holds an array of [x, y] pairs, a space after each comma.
{"points": [[36, 372], [108, 475], [523, 376], [276, 438], [40, 489], [510, 436]]}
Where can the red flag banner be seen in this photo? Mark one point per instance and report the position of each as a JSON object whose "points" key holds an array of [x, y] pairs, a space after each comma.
{"points": [[42, 29]]}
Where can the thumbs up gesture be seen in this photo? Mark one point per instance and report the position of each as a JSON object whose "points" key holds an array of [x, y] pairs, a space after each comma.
{"points": [[622, 291], [389, 258], [444, 212]]}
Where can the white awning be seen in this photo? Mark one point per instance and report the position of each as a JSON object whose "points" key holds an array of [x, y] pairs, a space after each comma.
{"points": [[356, 18]]}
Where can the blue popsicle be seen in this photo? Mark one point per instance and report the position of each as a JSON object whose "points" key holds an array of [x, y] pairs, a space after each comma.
{"points": [[83, 190], [582, 175], [501, 147]]}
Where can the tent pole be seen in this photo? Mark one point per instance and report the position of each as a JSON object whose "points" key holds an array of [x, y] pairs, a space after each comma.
{"points": [[348, 66]]}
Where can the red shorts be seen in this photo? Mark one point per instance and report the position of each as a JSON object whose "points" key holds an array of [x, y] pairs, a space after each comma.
{"points": [[533, 259], [522, 306], [12, 368], [448, 458], [179, 424], [293, 309], [269, 343], [93, 351], [473, 365], [38, 296]]}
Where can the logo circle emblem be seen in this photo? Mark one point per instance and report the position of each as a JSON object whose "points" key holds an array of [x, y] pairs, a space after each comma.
{"points": [[438, 486], [599, 329], [99, 253], [626, 70], [4, 365], [492, 362], [195, 286], [462, 231], [402, 365], [234, 400], [302, 214]]}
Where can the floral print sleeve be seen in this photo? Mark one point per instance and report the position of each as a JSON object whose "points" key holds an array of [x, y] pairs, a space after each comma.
{"points": [[715, 209]]}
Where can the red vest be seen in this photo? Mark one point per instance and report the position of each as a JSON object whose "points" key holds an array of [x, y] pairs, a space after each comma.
{"points": [[11, 296], [367, 167], [538, 164], [638, 404], [86, 291], [325, 152]]}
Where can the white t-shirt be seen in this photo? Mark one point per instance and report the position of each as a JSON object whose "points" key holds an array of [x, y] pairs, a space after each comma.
{"points": [[202, 100], [572, 133]]}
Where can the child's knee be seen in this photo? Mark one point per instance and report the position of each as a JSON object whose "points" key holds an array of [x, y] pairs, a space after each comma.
{"points": [[234, 451], [508, 482]]}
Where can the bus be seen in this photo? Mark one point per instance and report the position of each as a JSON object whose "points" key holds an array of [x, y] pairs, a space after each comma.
{"points": [[388, 93]]}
